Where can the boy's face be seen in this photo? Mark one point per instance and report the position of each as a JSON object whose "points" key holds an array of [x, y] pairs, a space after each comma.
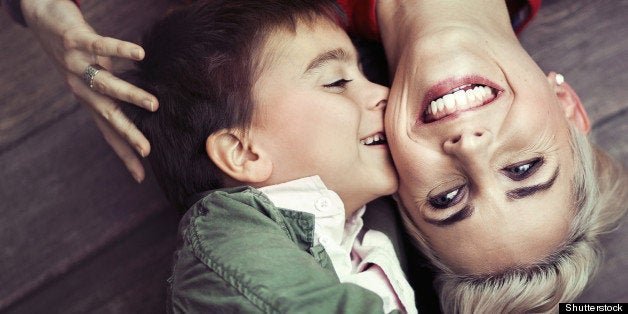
{"points": [[316, 114]]}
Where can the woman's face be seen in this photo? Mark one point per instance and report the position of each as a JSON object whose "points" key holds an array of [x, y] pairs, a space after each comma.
{"points": [[482, 148]]}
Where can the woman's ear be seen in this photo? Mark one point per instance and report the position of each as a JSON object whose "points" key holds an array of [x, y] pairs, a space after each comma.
{"points": [[571, 104], [232, 153]]}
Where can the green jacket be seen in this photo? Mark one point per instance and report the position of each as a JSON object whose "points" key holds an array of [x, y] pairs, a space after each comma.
{"points": [[237, 252]]}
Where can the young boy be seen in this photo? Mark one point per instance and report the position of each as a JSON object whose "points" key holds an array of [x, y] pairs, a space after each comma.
{"points": [[268, 129]]}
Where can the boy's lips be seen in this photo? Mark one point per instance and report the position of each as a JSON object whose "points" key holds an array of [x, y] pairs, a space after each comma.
{"points": [[457, 95]]}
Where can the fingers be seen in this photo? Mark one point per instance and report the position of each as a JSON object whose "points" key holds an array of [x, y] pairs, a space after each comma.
{"points": [[108, 84], [84, 47], [111, 114], [104, 82], [121, 148], [107, 46], [73, 45]]}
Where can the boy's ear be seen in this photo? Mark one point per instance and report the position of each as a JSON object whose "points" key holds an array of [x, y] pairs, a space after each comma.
{"points": [[571, 104], [236, 157]]}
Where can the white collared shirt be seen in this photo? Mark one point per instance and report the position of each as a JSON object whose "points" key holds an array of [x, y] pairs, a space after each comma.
{"points": [[363, 257]]}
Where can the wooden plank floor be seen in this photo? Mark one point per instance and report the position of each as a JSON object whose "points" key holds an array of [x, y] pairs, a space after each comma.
{"points": [[78, 235], [586, 41]]}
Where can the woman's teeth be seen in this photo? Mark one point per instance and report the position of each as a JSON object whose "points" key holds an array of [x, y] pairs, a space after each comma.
{"points": [[375, 139], [461, 98]]}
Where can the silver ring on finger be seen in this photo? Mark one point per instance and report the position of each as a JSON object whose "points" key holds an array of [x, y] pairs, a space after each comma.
{"points": [[90, 73]]}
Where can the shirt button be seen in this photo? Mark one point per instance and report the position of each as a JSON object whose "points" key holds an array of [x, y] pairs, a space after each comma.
{"points": [[322, 203]]}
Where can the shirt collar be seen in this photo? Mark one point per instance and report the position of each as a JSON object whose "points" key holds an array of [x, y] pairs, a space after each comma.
{"points": [[307, 194]]}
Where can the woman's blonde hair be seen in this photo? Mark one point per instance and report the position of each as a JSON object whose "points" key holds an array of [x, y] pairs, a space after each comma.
{"points": [[600, 191]]}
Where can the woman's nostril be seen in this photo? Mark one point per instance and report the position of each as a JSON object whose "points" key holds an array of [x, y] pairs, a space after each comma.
{"points": [[455, 139], [478, 134]]}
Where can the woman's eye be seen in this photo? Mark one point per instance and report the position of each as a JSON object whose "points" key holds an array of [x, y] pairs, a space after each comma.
{"points": [[447, 199], [339, 83], [523, 170]]}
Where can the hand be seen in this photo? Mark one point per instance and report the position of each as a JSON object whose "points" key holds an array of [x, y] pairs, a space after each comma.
{"points": [[73, 45]]}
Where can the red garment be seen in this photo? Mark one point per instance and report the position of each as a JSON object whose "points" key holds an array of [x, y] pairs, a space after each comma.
{"points": [[362, 16]]}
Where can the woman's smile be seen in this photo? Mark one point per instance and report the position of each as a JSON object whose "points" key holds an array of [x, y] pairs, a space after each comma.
{"points": [[469, 93]]}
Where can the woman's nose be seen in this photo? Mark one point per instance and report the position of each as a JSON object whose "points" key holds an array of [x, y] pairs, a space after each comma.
{"points": [[468, 144]]}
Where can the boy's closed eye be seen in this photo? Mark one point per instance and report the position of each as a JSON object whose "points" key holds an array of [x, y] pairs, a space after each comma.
{"points": [[341, 83]]}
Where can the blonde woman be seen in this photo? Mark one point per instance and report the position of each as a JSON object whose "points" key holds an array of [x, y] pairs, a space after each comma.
{"points": [[499, 185]]}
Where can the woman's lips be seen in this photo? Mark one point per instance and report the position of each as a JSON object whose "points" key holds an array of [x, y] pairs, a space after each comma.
{"points": [[457, 95]]}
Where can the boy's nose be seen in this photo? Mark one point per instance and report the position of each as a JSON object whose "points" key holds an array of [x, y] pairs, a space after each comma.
{"points": [[380, 105], [376, 96]]}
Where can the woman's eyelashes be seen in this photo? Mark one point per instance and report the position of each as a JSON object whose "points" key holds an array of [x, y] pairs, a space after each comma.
{"points": [[523, 170], [448, 198], [341, 83], [515, 172]]}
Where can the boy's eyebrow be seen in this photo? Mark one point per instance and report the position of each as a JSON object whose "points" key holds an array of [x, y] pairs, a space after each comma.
{"points": [[321, 59]]}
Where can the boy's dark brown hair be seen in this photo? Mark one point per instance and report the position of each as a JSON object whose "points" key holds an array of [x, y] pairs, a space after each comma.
{"points": [[201, 61]]}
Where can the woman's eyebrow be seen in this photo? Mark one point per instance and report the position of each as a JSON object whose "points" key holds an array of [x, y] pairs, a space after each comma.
{"points": [[458, 216], [321, 59], [526, 191]]}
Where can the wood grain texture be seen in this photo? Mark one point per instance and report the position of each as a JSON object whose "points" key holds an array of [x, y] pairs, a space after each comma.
{"points": [[32, 93], [586, 41], [122, 279], [65, 197], [78, 235]]}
